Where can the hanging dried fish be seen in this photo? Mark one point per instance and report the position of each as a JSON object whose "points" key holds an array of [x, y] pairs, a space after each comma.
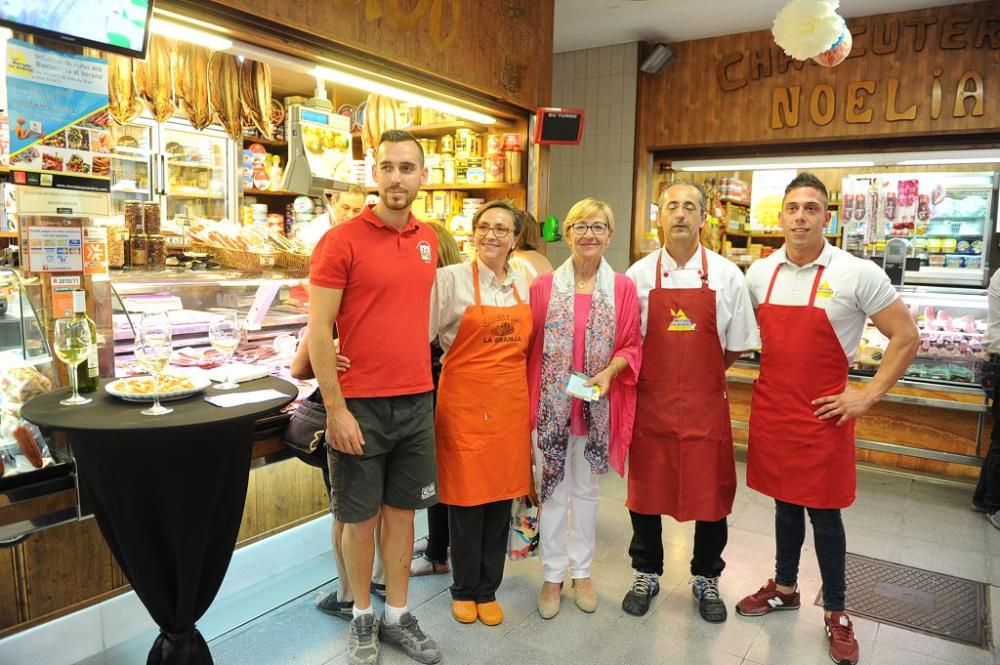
{"points": [[123, 101], [191, 82], [153, 79], [224, 91], [263, 92]]}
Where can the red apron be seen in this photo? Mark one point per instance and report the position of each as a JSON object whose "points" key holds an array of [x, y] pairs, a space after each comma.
{"points": [[794, 456], [482, 430], [681, 459]]}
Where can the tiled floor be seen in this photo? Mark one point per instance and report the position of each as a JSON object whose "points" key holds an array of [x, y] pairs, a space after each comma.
{"points": [[897, 518]]}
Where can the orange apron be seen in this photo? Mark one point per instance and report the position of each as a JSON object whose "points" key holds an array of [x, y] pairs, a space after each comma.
{"points": [[482, 430]]}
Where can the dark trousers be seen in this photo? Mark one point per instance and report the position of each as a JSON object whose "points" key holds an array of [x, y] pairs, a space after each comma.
{"points": [[646, 549], [437, 533], [987, 493], [831, 549], [478, 549]]}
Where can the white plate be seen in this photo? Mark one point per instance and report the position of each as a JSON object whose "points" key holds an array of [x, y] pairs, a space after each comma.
{"points": [[116, 388]]}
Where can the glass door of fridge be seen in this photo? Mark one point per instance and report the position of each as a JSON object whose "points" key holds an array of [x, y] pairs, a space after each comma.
{"points": [[132, 164], [197, 172]]}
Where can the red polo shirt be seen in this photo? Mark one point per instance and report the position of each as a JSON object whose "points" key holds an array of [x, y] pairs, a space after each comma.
{"points": [[384, 317]]}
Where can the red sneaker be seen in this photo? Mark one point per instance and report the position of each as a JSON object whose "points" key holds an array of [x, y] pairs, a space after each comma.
{"points": [[843, 646], [766, 599]]}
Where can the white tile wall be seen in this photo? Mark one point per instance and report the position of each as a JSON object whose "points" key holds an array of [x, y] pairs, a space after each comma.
{"points": [[602, 81]]}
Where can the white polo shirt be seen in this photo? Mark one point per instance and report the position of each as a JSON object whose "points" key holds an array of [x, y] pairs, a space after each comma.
{"points": [[851, 289], [733, 309]]}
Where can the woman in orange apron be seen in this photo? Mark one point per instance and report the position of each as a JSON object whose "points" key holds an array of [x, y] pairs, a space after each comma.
{"points": [[483, 436]]}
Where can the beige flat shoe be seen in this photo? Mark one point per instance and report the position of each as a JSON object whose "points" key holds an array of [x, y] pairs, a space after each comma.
{"points": [[585, 600], [548, 608]]}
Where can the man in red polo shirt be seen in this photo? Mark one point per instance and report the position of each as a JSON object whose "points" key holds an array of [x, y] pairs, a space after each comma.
{"points": [[372, 276]]}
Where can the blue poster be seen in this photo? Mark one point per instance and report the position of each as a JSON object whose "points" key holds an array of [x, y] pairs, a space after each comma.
{"points": [[58, 118]]}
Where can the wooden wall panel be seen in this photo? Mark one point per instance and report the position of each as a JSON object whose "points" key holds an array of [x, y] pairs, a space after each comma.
{"points": [[502, 49], [9, 605], [712, 96], [66, 565], [288, 491]]}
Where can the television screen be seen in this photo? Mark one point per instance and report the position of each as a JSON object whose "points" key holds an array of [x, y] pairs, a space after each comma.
{"points": [[120, 26]]}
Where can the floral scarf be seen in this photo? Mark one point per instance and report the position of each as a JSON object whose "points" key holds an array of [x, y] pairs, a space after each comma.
{"points": [[557, 362]]}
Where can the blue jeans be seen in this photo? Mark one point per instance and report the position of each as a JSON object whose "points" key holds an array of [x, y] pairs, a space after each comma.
{"points": [[831, 549]]}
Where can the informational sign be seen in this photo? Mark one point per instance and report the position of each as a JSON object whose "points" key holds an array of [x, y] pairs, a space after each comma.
{"points": [[766, 194], [62, 295], [40, 201], [58, 107], [95, 250], [55, 249]]}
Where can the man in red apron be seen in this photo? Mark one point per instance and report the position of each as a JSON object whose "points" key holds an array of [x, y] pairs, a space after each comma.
{"points": [[696, 320], [812, 302]]}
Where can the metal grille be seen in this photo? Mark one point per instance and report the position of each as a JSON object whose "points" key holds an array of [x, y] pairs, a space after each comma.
{"points": [[932, 603]]}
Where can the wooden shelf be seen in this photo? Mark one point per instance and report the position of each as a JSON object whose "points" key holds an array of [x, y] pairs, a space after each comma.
{"points": [[263, 141], [258, 192], [442, 128]]}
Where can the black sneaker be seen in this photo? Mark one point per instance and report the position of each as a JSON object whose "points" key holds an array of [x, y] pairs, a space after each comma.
{"points": [[710, 605], [378, 589], [638, 598], [408, 635], [338, 608], [362, 644]]}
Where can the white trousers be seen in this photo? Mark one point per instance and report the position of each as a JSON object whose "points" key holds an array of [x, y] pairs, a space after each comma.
{"points": [[567, 522]]}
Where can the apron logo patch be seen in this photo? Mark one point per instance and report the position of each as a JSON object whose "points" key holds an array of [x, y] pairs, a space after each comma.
{"points": [[824, 290], [427, 492], [503, 329], [425, 250], [681, 322]]}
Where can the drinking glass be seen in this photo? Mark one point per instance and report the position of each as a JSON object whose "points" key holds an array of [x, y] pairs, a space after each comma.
{"points": [[72, 342], [153, 344], [224, 335]]}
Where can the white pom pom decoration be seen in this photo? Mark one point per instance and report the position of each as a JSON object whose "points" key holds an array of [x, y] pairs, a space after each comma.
{"points": [[806, 28]]}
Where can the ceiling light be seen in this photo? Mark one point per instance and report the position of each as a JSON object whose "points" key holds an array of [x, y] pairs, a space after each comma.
{"points": [[368, 85], [185, 33], [767, 166], [954, 160]]}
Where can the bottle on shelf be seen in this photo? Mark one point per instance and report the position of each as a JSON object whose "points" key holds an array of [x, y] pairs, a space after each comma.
{"points": [[88, 372]]}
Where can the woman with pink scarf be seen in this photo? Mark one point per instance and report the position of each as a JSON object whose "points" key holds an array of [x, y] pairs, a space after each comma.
{"points": [[587, 322]]}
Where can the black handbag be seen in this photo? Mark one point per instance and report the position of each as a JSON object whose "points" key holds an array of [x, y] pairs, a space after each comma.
{"points": [[307, 430]]}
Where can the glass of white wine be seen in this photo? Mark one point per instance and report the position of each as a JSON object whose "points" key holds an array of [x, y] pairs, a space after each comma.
{"points": [[72, 343], [153, 344], [224, 335]]}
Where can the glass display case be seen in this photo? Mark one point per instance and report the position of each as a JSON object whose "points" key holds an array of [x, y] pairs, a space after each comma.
{"points": [[269, 305], [946, 219], [190, 173], [952, 324]]}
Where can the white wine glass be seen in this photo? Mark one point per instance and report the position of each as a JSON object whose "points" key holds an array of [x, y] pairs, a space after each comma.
{"points": [[153, 345], [224, 335], [72, 343]]}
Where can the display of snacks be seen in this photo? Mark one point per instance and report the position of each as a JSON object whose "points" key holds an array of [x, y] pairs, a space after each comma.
{"points": [[151, 217], [133, 217], [156, 251], [117, 243], [139, 246]]}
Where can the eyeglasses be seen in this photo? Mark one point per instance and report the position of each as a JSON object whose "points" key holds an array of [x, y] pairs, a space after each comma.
{"points": [[673, 206], [599, 228], [499, 232]]}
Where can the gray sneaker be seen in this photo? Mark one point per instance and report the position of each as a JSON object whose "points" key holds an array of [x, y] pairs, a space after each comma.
{"points": [[362, 646], [994, 518], [411, 639]]}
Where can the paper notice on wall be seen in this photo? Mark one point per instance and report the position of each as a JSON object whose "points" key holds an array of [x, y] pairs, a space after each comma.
{"points": [[55, 249], [766, 195]]}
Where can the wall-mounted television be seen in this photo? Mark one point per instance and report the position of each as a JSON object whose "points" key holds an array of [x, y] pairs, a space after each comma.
{"points": [[119, 26]]}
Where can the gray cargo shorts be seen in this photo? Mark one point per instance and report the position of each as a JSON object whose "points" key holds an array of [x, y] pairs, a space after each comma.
{"points": [[398, 467]]}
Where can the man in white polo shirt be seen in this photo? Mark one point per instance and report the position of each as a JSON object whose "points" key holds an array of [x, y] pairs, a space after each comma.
{"points": [[696, 320], [812, 301]]}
